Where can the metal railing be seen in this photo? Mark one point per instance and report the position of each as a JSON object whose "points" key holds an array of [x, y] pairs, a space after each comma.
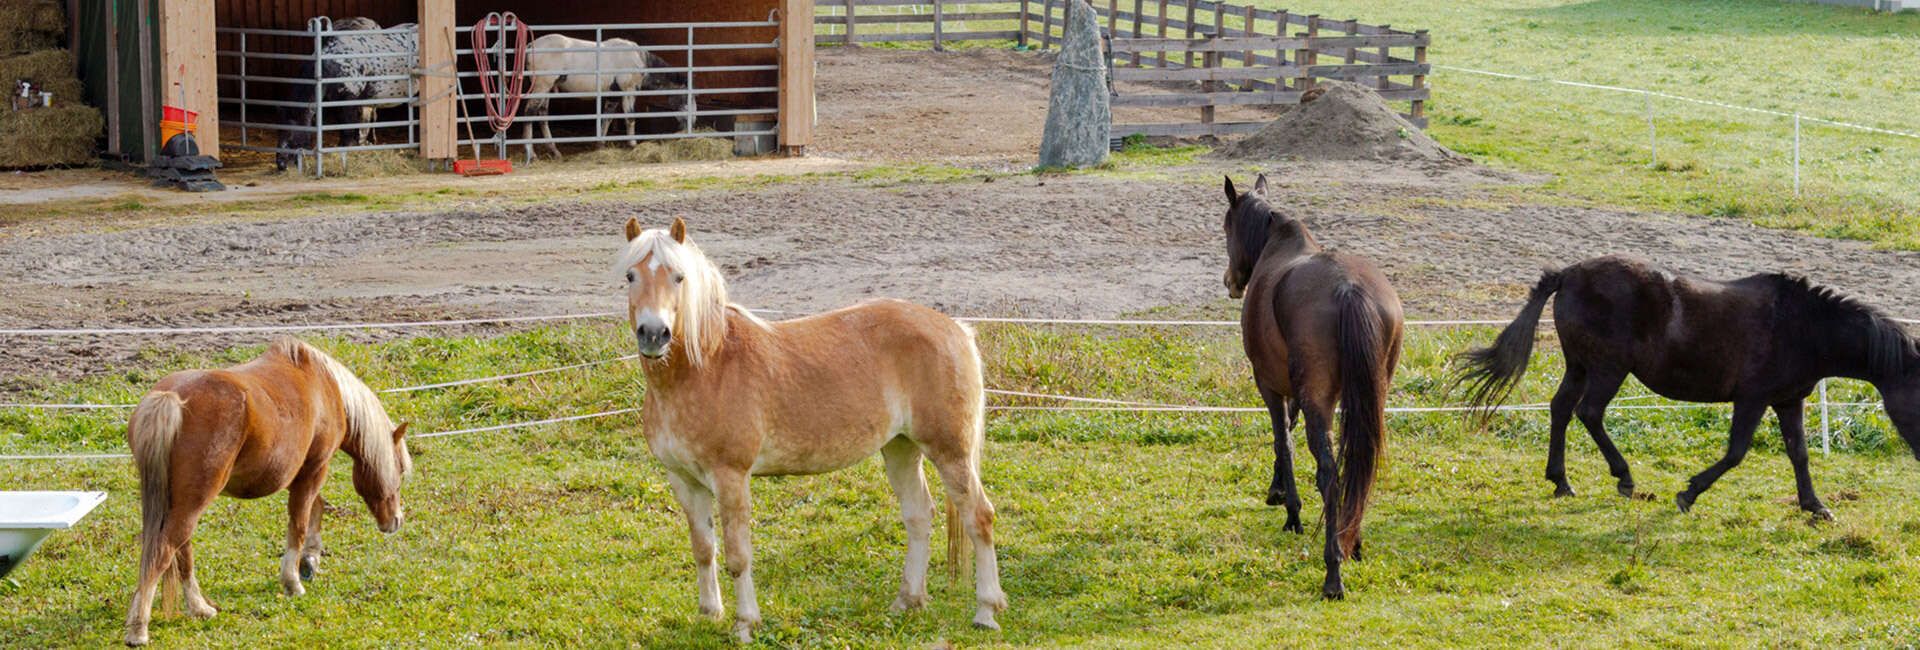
{"points": [[688, 40], [249, 104]]}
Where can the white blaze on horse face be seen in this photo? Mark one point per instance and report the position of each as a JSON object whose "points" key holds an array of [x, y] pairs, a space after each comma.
{"points": [[652, 305]]}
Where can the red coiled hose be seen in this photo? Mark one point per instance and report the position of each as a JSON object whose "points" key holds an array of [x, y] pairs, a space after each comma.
{"points": [[500, 113]]}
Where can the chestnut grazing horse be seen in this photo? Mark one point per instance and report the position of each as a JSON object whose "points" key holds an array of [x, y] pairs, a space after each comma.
{"points": [[249, 431], [1763, 341], [730, 396], [1321, 328]]}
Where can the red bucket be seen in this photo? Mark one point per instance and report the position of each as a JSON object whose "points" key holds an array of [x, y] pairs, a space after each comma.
{"points": [[177, 114]]}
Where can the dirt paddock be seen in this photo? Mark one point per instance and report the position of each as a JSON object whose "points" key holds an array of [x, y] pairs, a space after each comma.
{"points": [[1457, 242]]}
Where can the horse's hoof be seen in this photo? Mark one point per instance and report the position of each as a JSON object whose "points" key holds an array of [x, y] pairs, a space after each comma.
{"points": [[1276, 497], [904, 602], [714, 612], [983, 619], [202, 613], [1563, 492], [1625, 489], [307, 569], [743, 632], [1293, 524], [294, 589], [1822, 514], [136, 638], [1333, 592], [1684, 501]]}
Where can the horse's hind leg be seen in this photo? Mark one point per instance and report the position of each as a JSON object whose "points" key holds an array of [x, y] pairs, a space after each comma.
{"points": [[696, 502], [1746, 418], [1793, 431], [1319, 416], [1602, 385], [916, 512], [974, 512], [197, 605], [1283, 489], [157, 558], [1572, 386]]}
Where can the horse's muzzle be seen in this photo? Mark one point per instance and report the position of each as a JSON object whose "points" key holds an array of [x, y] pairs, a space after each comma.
{"points": [[653, 340]]}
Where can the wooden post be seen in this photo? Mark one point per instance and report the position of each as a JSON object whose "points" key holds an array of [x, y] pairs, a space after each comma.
{"points": [[1353, 53], [149, 117], [1310, 56], [1113, 19], [1023, 22], [796, 76], [1280, 53], [437, 86], [1246, 58], [851, 22], [1163, 31], [1139, 8], [186, 59], [937, 47], [1419, 80], [1210, 86], [113, 78], [1385, 58], [1046, 25], [1189, 31]]}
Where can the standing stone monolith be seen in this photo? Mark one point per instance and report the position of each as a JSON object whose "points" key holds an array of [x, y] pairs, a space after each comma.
{"points": [[1078, 113]]}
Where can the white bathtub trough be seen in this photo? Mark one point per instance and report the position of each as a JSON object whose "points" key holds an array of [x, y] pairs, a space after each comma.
{"points": [[26, 518]]}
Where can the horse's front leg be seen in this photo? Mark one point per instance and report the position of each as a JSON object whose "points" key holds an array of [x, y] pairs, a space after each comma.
{"points": [[367, 116], [909, 484], [1793, 431], [696, 502], [1283, 489], [301, 497], [736, 515], [1746, 418], [311, 549]]}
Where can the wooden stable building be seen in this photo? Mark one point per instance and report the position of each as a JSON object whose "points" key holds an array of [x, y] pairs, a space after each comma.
{"points": [[184, 49]]}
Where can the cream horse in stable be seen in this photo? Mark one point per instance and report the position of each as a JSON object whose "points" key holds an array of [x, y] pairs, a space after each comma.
{"points": [[730, 396]]}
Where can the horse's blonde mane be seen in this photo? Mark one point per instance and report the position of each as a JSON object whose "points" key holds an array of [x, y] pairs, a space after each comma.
{"points": [[368, 426], [701, 320]]}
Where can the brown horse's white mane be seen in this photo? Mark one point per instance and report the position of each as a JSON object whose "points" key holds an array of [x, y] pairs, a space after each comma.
{"points": [[367, 423], [701, 319]]}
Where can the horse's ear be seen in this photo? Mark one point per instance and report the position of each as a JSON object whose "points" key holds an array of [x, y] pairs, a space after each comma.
{"points": [[633, 228], [400, 432], [1260, 185], [1232, 196], [679, 230]]}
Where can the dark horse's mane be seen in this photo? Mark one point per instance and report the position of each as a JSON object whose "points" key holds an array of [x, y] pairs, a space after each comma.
{"points": [[1256, 223], [1891, 351]]}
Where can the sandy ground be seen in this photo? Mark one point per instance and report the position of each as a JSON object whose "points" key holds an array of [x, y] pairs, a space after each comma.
{"points": [[1458, 242]]}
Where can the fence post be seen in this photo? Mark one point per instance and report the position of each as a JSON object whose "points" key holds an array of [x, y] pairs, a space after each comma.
{"points": [[1163, 31], [1113, 23], [1796, 156], [1211, 59], [1189, 31], [937, 47], [1308, 55], [1280, 51], [1653, 137], [1046, 25], [1246, 58], [1139, 8], [1023, 24], [1420, 80], [1386, 58], [1826, 421], [851, 21]]}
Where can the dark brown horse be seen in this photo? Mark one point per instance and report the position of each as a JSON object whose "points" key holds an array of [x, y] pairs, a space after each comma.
{"points": [[1763, 341], [1321, 328]]}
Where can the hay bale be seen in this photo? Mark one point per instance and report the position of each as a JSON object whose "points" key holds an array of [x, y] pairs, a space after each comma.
{"points": [[49, 137], [14, 41], [1347, 122], [51, 70], [33, 16]]}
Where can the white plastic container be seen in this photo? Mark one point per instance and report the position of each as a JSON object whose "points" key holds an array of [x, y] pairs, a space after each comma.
{"points": [[26, 518]]}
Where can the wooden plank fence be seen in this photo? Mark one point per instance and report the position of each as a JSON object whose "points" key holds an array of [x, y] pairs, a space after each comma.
{"points": [[1198, 54]]}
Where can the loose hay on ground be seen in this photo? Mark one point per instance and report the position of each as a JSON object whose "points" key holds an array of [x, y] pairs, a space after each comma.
{"points": [[379, 163], [43, 137], [659, 151], [1347, 122]]}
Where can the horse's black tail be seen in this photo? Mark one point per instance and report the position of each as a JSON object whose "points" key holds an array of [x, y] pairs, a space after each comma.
{"points": [[1491, 373], [1363, 417]]}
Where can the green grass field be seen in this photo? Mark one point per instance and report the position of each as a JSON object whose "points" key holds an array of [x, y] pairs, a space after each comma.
{"points": [[1115, 530]]}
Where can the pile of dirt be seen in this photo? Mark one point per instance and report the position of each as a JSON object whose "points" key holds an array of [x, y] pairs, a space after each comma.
{"points": [[1346, 122]]}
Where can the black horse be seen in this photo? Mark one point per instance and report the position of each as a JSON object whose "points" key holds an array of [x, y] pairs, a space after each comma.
{"points": [[348, 60], [1758, 342]]}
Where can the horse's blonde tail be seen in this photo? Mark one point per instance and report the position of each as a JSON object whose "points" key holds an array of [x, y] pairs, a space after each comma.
{"points": [[150, 432], [959, 544]]}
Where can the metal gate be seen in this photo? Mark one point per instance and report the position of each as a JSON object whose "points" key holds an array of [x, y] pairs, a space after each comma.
{"points": [[280, 88], [703, 110]]}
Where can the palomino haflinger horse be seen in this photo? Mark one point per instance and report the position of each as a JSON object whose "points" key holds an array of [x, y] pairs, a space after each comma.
{"points": [[1321, 328], [1763, 341], [730, 396], [250, 431]]}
